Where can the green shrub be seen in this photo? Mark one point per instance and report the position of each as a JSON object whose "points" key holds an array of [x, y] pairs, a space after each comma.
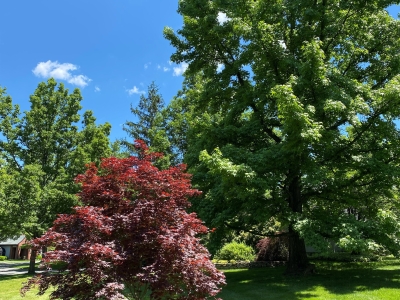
{"points": [[58, 265], [39, 257], [3, 258], [235, 251]]}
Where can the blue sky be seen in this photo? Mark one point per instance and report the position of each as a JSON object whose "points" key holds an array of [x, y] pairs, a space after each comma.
{"points": [[112, 50]]}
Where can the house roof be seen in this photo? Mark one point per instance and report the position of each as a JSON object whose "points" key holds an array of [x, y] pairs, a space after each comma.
{"points": [[13, 241]]}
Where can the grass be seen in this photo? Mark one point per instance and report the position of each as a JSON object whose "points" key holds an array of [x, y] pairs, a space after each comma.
{"points": [[369, 281], [378, 280], [17, 264], [10, 286]]}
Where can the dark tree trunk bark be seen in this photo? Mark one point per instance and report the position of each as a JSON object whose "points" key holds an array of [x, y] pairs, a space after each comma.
{"points": [[32, 262], [298, 261]]}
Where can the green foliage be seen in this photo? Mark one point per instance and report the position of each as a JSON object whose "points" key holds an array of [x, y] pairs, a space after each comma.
{"points": [[58, 265], [346, 257], [91, 146], [183, 121], [370, 236], [294, 117], [117, 151], [235, 251], [41, 152], [149, 126], [20, 193], [3, 258]]}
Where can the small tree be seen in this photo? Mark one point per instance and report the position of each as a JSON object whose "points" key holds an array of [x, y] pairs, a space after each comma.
{"points": [[133, 237], [273, 248]]}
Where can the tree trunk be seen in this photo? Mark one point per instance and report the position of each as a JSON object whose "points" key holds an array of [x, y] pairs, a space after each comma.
{"points": [[32, 262], [298, 260]]}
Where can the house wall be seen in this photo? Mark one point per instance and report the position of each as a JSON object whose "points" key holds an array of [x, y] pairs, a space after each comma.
{"points": [[25, 254], [14, 251], [8, 250]]}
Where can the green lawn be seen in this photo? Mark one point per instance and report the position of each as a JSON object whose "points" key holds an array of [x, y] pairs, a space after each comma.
{"points": [[17, 264], [10, 285], [366, 281]]}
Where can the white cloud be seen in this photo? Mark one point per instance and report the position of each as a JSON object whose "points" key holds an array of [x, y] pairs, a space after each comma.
{"points": [[170, 62], [179, 70], [135, 90], [79, 80], [158, 67], [60, 71], [147, 65], [165, 69], [97, 89], [222, 18]]}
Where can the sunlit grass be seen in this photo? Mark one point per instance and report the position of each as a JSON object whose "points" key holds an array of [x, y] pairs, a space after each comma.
{"points": [[379, 280], [339, 281], [17, 264], [10, 286]]}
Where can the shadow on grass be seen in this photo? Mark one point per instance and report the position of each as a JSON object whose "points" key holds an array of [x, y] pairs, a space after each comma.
{"points": [[14, 264], [337, 279], [17, 269], [10, 277]]}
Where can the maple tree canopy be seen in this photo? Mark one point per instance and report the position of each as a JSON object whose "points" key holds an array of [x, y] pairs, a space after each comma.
{"points": [[131, 237]]}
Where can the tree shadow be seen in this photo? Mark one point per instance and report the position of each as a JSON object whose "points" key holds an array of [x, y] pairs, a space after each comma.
{"points": [[13, 264], [338, 279], [10, 277]]}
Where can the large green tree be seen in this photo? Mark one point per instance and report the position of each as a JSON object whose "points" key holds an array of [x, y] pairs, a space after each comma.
{"points": [[179, 118], [303, 98], [42, 150]]}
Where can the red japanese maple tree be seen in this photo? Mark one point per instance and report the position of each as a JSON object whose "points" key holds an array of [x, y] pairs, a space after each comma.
{"points": [[131, 238]]}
